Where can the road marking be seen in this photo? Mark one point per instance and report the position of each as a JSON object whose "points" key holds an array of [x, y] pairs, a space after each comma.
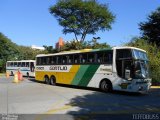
{"points": [[59, 109], [155, 86]]}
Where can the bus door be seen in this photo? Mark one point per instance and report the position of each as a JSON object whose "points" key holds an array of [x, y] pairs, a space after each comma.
{"points": [[32, 66]]}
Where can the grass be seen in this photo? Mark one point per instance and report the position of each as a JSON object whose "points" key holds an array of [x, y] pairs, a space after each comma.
{"points": [[2, 73]]}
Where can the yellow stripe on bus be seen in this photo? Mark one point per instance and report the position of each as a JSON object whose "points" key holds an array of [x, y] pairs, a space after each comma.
{"points": [[67, 77], [61, 77]]}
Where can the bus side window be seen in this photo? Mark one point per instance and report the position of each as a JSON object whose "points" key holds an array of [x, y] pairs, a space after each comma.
{"points": [[11, 64], [91, 58], [27, 64], [44, 60], [8, 64], [53, 60], [19, 64], [59, 59], [83, 58], [64, 59], [108, 57], [38, 61], [76, 58], [50, 60], [70, 59], [99, 57], [47, 60], [23, 64], [15, 64]]}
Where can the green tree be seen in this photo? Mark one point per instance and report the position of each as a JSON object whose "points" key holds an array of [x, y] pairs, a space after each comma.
{"points": [[50, 49], [153, 54], [8, 51], [82, 17], [27, 53], [77, 45], [151, 28]]}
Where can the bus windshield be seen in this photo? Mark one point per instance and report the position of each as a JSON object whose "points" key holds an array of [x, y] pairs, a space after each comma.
{"points": [[141, 64], [134, 61], [140, 55]]}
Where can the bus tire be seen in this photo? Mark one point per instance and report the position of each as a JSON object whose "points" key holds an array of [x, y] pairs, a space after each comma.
{"points": [[106, 85], [46, 79], [52, 80]]}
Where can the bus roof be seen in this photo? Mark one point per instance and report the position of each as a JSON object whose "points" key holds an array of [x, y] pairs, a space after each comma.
{"points": [[88, 50], [128, 47], [74, 51], [22, 61]]}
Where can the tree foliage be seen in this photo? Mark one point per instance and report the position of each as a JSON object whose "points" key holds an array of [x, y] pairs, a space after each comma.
{"points": [[77, 45], [27, 53], [82, 17], [153, 54], [50, 49], [8, 51], [12, 51], [151, 28]]}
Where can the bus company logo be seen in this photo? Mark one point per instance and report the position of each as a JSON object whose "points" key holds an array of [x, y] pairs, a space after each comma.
{"points": [[58, 68], [39, 68], [105, 69]]}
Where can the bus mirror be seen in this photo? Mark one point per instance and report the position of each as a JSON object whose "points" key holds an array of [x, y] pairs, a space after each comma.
{"points": [[127, 74]]}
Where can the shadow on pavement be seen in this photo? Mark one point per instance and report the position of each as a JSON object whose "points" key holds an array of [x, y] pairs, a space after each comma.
{"points": [[114, 106]]}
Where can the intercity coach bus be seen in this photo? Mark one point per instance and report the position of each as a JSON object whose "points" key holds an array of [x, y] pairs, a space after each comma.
{"points": [[117, 68], [26, 67]]}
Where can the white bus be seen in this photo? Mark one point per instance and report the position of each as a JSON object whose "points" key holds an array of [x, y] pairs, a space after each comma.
{"points": [[26, 67], [118, 68]]}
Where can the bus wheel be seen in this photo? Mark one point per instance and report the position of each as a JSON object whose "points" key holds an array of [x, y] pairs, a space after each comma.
{"points": [[46, 79], [106, 86], [53, 80]]}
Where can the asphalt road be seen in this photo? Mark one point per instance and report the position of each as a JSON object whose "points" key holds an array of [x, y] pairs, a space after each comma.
{"points": [[32, 100]]}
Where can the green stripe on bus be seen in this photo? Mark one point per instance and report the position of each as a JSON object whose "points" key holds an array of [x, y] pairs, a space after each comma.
{"points": [[88, 75], [79, 74]]}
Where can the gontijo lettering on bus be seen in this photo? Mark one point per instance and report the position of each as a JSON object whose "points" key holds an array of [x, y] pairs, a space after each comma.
{"points": [[54, 68], [58, 67]]}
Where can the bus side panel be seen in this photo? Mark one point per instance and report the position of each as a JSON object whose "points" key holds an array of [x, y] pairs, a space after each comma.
{"points": [[103, 72], [67, 77], [84, 75], [39, 75]]}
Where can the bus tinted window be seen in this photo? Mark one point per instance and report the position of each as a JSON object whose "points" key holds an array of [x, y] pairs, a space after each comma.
{"points": [[76, 58], [15, 64], [12, 64], [70, 59], [99, 57], [91, 58], [19, 64], [47, 60], [104, 57], [123, 53], [59, 60], [64, 59], [8, 64], [44, 60], [108, 56], [23, 64], [83, 58], [27, 64], [53, 60]]}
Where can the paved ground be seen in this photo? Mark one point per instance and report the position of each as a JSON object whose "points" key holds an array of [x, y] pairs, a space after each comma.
{"points": [[38, 101]]}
